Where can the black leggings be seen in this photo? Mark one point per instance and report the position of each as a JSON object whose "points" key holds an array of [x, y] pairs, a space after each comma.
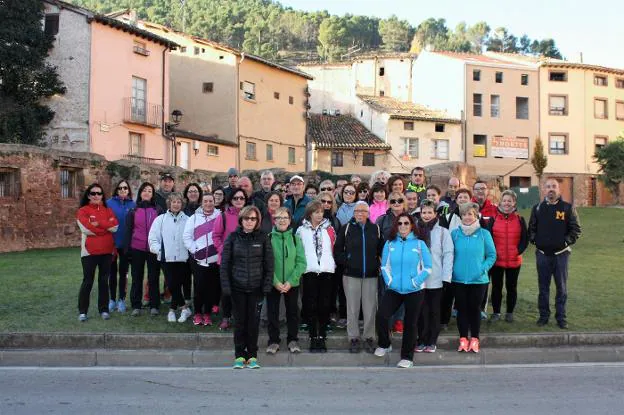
{"points": [[207, 287], [390, 303], [175, 274], [317, 289], [429, 320], [89, 264], [139, 259], [511, 284], [246, 307], [468, 299], [124, 265]]}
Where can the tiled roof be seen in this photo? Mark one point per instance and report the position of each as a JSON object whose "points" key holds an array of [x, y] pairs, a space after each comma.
{"points": [[126, 27], [481, 59], [573, 65], [342, 132], [406, 110]]}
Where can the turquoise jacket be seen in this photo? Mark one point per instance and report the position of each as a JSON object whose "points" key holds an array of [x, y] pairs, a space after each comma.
{"points": [[405, 264], [474, 256]]}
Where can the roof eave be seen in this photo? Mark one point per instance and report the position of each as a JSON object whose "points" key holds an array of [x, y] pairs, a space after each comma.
{"points": [[145, 34], [417, 118]]}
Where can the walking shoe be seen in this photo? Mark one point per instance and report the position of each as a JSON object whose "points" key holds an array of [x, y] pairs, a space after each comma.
{"points": [[198, 320], [154, 312], [303, 327], [355, 346], [542, 321], [321, 345], [273, 348], [369, 346], [252, 363], [495, 317], [562, 324], [215, 309], [171, 316], [483, 315], [207, 320], [105, 316], [454, 313], [341, 323], [314, 345], [398, 327], [293, 347], [420, 348], [184, 315], [382, 351], [463, 345], [111, 305], [166, 296], [225, 324], [328, 328], [82, 318], [136, 312], [474, 345], [431, 348], [239, 363], [509, 317], [405, 364], [121, 306]]}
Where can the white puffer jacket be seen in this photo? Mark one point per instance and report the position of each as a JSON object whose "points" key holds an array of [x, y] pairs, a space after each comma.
{"points": [[328, 236], [442, 252], [167, 231]]}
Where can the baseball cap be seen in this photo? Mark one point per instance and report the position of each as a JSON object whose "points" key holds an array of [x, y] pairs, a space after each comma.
{"points": [[296, 177], [232, 171], [167, 175]]}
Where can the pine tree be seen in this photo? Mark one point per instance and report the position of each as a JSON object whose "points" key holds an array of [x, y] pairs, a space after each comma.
{"points": [[25, 77], [539, 159]]}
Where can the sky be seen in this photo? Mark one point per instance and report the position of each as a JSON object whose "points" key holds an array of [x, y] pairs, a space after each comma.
{"points": [[593, 28]]}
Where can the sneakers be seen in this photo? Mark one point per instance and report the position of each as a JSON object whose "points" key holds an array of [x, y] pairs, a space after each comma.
{"points": [[314, 345], [382, 351], [562, 324], [303, 327], [105, 316], [154, 312], [225, 324], [495, 317], [509, 317], [111, 305], [82, 318], [239, 363], [420, 348], [341, 323], [369, 346], [273, 348], [474, 345], [215, 309], [398, 327], [252, 363], [484, 315], [355, 346], [121, 306], [463, 345], [454, 313], [542, 321], [171, 316], [405, 364], [293, 347], [321, 345], [184, 315], [431, 348], [207, 320], [198, 320], [136, 312]]}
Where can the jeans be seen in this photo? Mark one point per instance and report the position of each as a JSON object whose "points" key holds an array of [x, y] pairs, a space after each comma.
{"points": [[246, 308], [511, 284], [468, 299], [124, 265], [139, 259], [552, 266], [390, 303], [292, 314], [89, 265]]}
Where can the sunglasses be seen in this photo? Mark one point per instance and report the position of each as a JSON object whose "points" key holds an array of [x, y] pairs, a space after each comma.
{"points": [[399, 201], [363, 191], [349, 192], [238, 198], [282, 218], [250, 218], [404, 223], [122, 188], [327, 189], [95, 193], [326, 202]]}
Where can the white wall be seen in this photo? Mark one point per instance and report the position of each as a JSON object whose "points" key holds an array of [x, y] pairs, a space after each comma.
{"points": [[396, 81], [374, 121], [332, 88]]}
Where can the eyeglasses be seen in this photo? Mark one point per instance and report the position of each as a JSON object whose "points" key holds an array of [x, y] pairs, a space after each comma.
{"points": [[250, 218], [282, 218], [193, 191], [326, 202], [480, 189], [95, 193], [238, 198], [327, 189], [360, 211], [229, 177], [399, 201], [122, 188], [404, 223], [349, 192]]}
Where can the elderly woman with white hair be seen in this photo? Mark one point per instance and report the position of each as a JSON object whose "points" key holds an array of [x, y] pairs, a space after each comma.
{"points": [[474, 255], [380, 176]]}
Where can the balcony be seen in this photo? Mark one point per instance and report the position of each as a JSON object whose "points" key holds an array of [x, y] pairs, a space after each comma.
{"points": [[140, 159], [140, 50], [139, 111]]}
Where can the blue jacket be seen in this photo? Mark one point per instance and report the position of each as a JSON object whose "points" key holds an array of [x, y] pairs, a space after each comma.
{"points": [[345, 212], [474, 256], [405, 264], [120, 209], [298, 210]]}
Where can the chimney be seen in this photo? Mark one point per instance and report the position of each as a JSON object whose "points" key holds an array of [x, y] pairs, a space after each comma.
{"points": [[132, 17]]}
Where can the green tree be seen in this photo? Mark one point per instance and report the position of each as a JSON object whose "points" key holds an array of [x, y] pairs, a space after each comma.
{"points": [[25, 77], [394, 34], [610, 158], [332, 38], [458, 40], [547, 48], [539, 159], [478, 35], [430, 32], [502, 41]]}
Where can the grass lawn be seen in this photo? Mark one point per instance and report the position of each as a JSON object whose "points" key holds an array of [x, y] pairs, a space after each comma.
{"points": [[41, 288]]}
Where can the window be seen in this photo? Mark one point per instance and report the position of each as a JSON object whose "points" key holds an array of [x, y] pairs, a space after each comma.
{"points": [[249, 90], [619, 83], [382, 71], [135, 147], [9, 182], [524, 79], [139, 93], [382, 93], [558, 76], [336, 159], [291, 155], [408, 125], [476, 105], [600, 108], [140, 49], [522, 108], [68, 183], [207, 87], [276, 95], [269, 152], [601, 80], [368, 159], [439, 128], [519, 181], [619, 110], [441, 149], [213, 150], [51, 25], [196, 50], [291, 100], [476, 75], [558, 144], [599, 142], [494, 106], [410, 148], [183, 49], [558, 105], [479, 144], [251, 151], [498, 77]]}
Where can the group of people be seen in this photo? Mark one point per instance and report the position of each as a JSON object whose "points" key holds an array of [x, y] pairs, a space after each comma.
{"points": [[393, 253]]}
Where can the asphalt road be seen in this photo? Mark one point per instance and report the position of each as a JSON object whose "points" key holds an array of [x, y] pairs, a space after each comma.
{"points": [[540, 389]]}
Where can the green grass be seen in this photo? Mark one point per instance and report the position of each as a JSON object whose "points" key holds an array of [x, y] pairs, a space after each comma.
{"points": [[40, 288]]}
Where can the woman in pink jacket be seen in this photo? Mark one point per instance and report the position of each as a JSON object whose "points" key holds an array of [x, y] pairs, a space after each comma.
{"points": [[379, 202]]}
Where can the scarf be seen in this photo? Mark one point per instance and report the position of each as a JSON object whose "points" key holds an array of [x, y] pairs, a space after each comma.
{"points": [[424, 230], [470, 229], [317, 236]]}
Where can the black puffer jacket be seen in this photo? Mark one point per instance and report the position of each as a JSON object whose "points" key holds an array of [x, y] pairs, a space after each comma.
{"points": [[246, 262], [359, 250]]}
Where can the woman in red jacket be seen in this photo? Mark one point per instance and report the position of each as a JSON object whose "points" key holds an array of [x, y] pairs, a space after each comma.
{"points": [[509, 232], [97, 224]]}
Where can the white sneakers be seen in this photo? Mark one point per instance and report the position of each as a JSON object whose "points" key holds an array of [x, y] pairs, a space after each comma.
{"points": [[404, 363], [381, 351], [171, 317], [184, 315]]}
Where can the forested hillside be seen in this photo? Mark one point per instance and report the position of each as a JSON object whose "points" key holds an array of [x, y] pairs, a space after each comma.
{"points": [[268, 29]]}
